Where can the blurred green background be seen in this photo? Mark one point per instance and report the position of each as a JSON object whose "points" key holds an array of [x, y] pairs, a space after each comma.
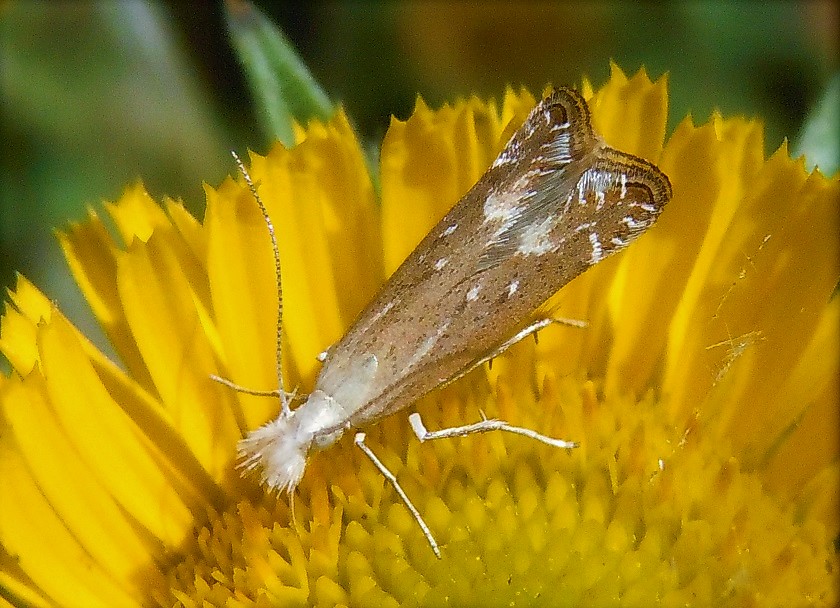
{"points": [[98, 94]]}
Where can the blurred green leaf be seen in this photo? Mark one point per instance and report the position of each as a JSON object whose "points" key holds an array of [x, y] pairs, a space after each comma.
{"points": [[819, 140], [284, 89], [95, 95]]}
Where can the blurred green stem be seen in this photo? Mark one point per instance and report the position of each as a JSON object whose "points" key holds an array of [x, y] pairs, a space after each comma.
{"points": [[818, 140]]}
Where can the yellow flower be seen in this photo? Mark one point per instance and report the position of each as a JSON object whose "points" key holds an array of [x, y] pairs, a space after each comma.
{"points": [[704, 392]]}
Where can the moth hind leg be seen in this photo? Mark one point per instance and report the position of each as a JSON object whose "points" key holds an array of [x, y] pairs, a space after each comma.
{"points": [[492, 424], [532, 329]]}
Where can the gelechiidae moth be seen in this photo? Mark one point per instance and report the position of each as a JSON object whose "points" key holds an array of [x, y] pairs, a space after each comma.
{"points": [[556, 201]]}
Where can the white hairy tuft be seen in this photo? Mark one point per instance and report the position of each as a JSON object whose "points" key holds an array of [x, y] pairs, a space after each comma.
{"points": [[279, 448], [278, 451]]}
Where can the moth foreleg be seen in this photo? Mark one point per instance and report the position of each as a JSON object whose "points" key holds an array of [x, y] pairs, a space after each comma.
{"points": [[485, 425], [387, 474], [250, 391]]}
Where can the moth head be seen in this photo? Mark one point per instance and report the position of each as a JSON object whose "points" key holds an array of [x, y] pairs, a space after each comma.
{"points": [[279, 448]]}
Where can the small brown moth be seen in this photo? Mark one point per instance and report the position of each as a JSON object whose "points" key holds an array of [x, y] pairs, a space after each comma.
{"points": [[556, 201]]}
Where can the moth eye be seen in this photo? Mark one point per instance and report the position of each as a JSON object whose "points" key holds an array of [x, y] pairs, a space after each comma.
{"points": [[326, 440]]}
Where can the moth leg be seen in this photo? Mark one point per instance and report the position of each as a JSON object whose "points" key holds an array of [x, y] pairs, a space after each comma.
{"points": [[531, 329], [360, 441], [250, 391], [485, 425]]}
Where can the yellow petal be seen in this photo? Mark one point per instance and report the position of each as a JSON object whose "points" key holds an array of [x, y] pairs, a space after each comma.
{"points": [[69, 534]]}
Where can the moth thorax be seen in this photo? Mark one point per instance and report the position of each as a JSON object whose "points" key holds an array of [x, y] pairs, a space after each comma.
{"points": [[279, 448]]}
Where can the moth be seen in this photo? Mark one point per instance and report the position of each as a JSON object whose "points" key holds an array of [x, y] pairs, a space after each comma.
{"points": [[556, 201]]}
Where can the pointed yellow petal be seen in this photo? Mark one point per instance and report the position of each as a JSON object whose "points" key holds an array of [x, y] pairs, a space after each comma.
{"points": [[17, 340], [66, 509], [159, 301], [137, 215], [91, 255], [106, 439]]}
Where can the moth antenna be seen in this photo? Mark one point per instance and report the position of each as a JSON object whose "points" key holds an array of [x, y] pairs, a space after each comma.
{"points": [[284, 401]]}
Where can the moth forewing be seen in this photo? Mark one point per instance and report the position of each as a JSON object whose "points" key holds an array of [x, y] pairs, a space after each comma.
{"points": [[529, 226], [556, 201]]}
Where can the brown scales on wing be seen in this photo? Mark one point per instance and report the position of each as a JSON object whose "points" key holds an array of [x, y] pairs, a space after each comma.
{"points": [[555, 202]]}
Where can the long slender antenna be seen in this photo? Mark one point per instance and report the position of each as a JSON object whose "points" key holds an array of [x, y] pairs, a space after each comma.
{"points": [[284, 401]]}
